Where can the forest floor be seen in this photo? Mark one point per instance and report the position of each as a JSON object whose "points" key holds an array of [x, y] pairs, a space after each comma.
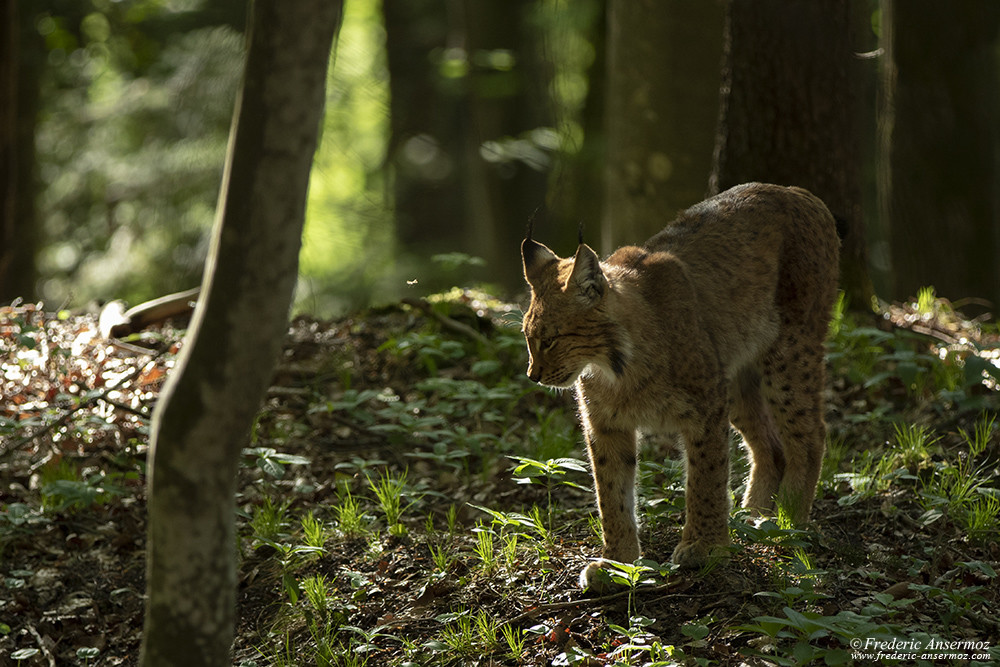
{"points": [[410, 498]]}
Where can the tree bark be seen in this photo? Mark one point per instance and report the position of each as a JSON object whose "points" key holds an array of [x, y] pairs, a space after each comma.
{"points": [[204, 414], [790, 113], [21, 55], [662, 105], [941, 147]]}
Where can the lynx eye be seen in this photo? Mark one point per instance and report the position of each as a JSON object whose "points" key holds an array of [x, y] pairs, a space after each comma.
{"points": [[547, 344]]}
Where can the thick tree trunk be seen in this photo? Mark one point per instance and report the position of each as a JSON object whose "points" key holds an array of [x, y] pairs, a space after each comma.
{"points": [[790, 112], [205, 412], [941, 147], [662, 106], [21, 53]]}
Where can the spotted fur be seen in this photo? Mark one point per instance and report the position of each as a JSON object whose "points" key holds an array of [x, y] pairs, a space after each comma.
{"points": [[720, 318]]}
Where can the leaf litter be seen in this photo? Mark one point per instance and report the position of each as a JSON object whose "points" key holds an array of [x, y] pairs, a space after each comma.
{"points": [[434, 390]]}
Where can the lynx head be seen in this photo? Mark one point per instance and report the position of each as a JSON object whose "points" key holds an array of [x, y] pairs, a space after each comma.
{"points": [[567, 327]]}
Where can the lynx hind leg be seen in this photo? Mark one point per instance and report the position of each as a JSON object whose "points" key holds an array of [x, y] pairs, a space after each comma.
{"points": [[751, 416], [794, 383]]}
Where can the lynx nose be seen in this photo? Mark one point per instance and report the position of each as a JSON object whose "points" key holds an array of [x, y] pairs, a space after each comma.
{"points": [[533, 373]]}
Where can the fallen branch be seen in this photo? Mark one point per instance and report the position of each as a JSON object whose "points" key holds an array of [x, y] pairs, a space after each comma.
{"points": [[658, 591]]}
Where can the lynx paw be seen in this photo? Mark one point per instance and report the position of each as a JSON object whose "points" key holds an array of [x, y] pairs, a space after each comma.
{"points": [[697, 553], [595, 578]]}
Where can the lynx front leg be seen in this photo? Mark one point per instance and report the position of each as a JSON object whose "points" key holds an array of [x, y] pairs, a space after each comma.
{"points": [[613, 460], [706, 496]]}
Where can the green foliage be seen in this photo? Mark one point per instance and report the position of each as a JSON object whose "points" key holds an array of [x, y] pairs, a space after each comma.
{"points": [[412, 450], [65, 488], [390, 491], [349, 517], [963, 490], [925, 367], [131, 142]]}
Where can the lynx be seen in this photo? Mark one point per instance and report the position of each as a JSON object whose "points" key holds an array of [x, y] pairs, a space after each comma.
{"points": [[719, 318]]}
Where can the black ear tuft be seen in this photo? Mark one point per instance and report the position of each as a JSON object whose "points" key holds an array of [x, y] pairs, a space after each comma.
{"points": [[579, 233], [531, 223]]}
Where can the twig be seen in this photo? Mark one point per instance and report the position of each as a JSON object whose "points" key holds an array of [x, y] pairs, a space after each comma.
{"points": [[118, 405], [551, 607], [86, 403], [447, 322], [42, 647]]}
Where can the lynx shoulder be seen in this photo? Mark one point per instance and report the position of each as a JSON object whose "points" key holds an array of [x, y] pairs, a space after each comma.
{"points": [[718, 319]]}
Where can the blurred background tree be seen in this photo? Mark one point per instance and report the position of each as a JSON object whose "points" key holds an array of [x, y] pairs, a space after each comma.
{"points": [[452, 123], [662, 107], [941, 144]]}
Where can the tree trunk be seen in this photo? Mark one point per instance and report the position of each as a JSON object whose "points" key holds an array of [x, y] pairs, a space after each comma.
{"points": [[790, 113], [941, 147], [462, 74], [576, 192], [425, 122], [662, 106], [21, 55], [204, 414], [504, 105]]}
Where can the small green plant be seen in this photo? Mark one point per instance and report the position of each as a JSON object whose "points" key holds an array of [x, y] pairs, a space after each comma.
{"points": [[389, 491], [442, 557], [316, 590], [87, 653], [458, 635], [484, 547], [269, 521], [548, 473], [872, 474], [913, 445], [24, 654], [313, 530], [984, 517], [961, 490], [631, 575], [509, 549], [65, 488], [487, 628], [452, 519], [290, 557], [349, 517], [272, 462], [514, 637]]}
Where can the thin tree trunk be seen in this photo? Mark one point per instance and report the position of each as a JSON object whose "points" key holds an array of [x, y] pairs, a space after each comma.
{"points": [[790, 113], [503, 105], [576, 191], [204, 415], [662, 106]]}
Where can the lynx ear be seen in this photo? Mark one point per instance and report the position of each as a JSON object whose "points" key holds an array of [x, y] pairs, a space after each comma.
{"points": [[535, 256], [587, 275]]}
